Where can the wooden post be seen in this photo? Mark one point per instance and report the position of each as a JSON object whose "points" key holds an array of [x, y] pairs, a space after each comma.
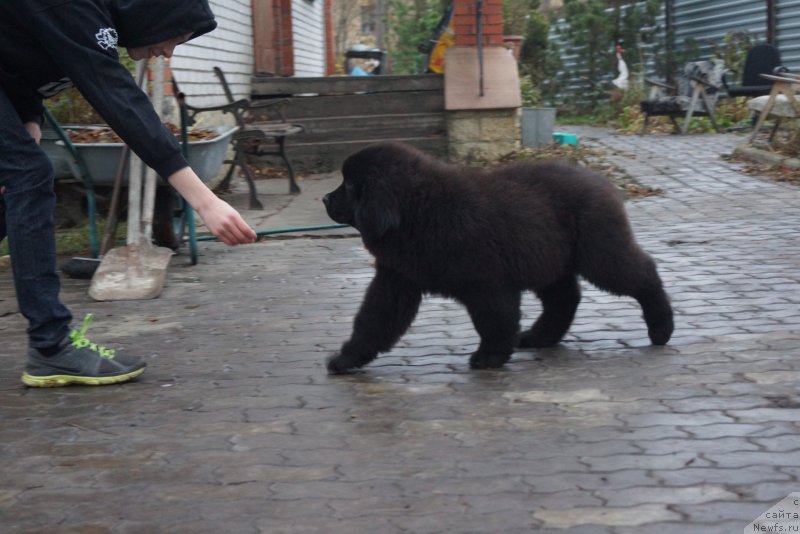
{"points": [[263, 37]]}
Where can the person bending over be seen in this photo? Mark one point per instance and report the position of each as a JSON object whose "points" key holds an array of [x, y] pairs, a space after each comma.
{"points": [[47, 46]]}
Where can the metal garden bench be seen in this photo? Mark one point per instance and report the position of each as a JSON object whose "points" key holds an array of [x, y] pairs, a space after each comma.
{"points": [[262, 132]]}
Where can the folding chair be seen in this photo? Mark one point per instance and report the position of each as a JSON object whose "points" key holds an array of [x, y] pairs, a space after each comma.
{"points": [[697, 94]]}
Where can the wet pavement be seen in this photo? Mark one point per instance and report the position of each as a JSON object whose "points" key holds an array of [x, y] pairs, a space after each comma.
{"points": [[236, 427]]}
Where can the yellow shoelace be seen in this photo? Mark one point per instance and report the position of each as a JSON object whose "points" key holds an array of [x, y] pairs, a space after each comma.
{"points": [[79, 340]]}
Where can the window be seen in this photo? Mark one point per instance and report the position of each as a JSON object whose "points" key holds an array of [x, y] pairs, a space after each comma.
{"points": [[367, 19]]}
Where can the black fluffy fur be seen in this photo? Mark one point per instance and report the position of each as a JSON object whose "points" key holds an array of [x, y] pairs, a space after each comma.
{"points": [[482, 236]]}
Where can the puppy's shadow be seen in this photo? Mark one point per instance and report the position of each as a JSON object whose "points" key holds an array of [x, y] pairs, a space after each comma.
{"points": [[559, 351]]}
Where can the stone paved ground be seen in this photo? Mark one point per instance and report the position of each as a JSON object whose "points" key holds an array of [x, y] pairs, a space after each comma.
{"points": [[235, 427]]}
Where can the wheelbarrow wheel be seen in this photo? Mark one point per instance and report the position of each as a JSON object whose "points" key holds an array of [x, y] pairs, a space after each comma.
{"points": [[169, 218]]}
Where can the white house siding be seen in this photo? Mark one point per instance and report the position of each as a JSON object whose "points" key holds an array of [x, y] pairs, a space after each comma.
{"points": [[308, 34], [229, 46]]}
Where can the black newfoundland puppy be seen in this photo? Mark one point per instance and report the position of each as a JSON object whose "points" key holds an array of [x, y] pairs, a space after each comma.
{"points": [[482, 236]]}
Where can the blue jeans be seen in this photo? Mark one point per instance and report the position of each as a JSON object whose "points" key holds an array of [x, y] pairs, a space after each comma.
{"points": [[26, 218]]}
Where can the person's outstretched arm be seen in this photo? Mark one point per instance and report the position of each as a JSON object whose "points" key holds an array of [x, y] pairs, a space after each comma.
{"points": [[221, 219]]}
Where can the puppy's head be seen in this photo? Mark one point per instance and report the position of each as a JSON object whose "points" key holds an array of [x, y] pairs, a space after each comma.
{"points": [[367, 198]]}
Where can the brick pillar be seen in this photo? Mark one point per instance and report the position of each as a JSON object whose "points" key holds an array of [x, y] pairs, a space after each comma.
{"points": [[465, 22], [330, 59], [273, 51], [483, 106], [284, 44]]}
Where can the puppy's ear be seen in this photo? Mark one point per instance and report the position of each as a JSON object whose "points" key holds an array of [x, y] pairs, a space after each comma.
{"points": [[377, 211]]}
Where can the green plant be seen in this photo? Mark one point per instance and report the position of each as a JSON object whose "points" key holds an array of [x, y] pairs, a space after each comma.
{"points": [[733, 49], [634, 26], [411, 24], [531, 94], [539, 59], [728, 113], [69, 107], [75, 241], [574, 119], [591, 29], [516, 14]]}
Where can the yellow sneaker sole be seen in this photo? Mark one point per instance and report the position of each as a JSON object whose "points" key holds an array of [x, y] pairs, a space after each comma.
{"points": [[55, 381]]}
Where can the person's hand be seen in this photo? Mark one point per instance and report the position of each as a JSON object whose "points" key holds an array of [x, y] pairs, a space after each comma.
{"points": [[220, 218], [34, 130], [226, 223]]}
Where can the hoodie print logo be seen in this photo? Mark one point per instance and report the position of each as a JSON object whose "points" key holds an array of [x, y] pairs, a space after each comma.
{"points": [[107, 38]]}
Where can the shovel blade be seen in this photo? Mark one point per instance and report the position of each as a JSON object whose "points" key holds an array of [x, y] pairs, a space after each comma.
{"points": [[131, 273]]}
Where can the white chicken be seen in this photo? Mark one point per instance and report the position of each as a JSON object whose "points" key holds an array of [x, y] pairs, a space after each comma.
{"points": [[621, 81]]}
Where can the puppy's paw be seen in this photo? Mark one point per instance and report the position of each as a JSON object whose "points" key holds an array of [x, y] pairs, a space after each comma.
{"points": [[345, 364], [660, 334], [488, 360], [339, 365], [537, 339]]}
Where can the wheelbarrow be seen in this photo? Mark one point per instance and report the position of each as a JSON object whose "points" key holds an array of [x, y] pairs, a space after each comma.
{"points": [[95, 164]]}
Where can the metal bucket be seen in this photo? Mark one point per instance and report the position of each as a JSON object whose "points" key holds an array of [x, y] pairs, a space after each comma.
{"points": [[537, 126]]}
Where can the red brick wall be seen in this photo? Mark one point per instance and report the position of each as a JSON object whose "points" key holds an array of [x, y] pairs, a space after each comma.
{"points": [[330, 60], [283, 37], [466, 28]]}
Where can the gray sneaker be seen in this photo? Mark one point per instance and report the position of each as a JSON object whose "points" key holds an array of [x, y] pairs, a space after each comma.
{"points": [[80, 362]]}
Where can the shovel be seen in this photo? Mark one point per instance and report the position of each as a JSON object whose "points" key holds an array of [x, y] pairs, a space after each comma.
{"points": [[84, 268], [138, 270]]}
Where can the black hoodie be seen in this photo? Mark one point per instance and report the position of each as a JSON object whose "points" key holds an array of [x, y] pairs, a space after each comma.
{"points": [[49, 45]]}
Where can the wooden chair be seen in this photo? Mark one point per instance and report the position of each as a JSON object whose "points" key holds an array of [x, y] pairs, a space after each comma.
{"points": [[781, 103], [696, 95], [262, 132]]}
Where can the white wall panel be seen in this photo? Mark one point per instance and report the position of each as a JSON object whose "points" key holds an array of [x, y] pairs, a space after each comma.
{"points": [[229, 47], [308, 33]]}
